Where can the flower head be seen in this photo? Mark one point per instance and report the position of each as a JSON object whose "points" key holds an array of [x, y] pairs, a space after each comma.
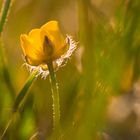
{"points": [[46, 44]]}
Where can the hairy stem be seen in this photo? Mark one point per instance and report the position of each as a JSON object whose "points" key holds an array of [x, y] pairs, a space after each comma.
{"points": [[55, 96]]}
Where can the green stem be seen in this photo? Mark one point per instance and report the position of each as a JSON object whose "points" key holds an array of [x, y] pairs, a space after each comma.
{"points": [[19, 99], [55, 96], [24, 90], [4, 13], [6, 128], [5, 71]]}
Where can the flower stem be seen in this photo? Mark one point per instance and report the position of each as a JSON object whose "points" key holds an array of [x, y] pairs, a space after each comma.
{"points": [[55, 97]]}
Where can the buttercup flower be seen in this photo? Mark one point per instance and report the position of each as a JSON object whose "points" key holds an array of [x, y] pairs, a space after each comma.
{"points": [[46, 44]]}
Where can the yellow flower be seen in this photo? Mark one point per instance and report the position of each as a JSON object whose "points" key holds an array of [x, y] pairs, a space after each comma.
{"points": [[46, 44]]}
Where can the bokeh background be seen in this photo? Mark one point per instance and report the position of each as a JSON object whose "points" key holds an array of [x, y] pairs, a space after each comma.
{"points": [[100, 85]]}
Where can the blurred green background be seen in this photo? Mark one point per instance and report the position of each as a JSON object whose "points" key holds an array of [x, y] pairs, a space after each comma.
{"points": [[99, 87]]}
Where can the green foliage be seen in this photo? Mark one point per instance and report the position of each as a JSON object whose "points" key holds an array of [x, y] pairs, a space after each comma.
{"points": [[105, 65]]}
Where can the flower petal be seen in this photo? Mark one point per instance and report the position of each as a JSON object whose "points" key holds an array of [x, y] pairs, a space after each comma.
{"points": [[35, 36], [52, 31], [31, 53], [45, 44], [25, 43]]}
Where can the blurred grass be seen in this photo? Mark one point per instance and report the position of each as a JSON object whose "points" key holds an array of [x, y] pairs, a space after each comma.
{"points": [[105, 65]]}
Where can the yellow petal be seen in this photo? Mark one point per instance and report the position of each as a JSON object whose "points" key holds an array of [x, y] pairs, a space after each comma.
{"points": [[32, 54], [25, 43], [43, 44], [35, 36], [61, 51], [52, 31]]}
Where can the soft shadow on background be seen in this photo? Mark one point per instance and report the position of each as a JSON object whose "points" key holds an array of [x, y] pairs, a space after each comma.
{"points": [[99, 86]]}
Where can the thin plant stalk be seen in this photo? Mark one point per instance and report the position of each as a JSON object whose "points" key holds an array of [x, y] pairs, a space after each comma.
{"points": [[3, 18], [4, 13], [19, 99], [24, 90], [55, 96], [6, 128], [5, 71]]}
